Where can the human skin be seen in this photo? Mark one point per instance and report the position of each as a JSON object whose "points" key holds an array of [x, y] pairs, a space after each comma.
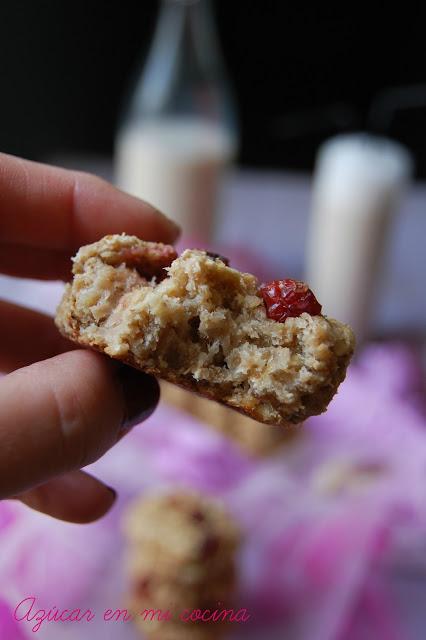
{"points": [[60, 407]]}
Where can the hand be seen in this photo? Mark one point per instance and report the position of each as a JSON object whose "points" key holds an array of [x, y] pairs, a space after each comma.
{"points": [[61, 408]]}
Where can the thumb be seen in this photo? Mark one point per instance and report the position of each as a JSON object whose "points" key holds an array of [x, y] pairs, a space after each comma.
{"points": [[63, 413]]}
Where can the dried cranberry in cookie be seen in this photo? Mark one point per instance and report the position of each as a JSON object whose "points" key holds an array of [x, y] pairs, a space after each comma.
{"points": [[288, 299]]}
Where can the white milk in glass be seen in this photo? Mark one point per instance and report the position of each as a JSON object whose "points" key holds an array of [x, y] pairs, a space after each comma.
{"points": [[357, 186], [175, 164]]}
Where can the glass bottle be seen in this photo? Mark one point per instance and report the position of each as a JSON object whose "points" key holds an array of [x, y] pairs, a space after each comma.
{"points": [[179, 132]]}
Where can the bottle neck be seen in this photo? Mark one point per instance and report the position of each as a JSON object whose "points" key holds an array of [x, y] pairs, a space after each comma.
{"points": [[188, 25], [184, 55], [184, 76]]}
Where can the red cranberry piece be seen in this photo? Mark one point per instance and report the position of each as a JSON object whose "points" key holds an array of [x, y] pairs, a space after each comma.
{"points": [[210, 547], [143, 587], [198, 516], [288, 299]]}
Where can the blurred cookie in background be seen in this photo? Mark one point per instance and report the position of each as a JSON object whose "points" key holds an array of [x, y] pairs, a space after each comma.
{"points": [[180, 557]]}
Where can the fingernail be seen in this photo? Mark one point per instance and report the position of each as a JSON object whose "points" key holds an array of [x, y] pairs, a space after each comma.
{"points": [[141, 395]]}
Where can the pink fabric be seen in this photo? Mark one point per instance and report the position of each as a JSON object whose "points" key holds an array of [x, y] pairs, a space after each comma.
{"points": [[9, 628]]}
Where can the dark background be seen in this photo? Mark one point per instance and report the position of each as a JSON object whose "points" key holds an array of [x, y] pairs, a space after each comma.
{"points": [[299, 74]]}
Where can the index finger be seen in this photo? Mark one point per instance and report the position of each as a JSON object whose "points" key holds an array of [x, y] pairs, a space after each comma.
{"points": [[44, 207]]}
